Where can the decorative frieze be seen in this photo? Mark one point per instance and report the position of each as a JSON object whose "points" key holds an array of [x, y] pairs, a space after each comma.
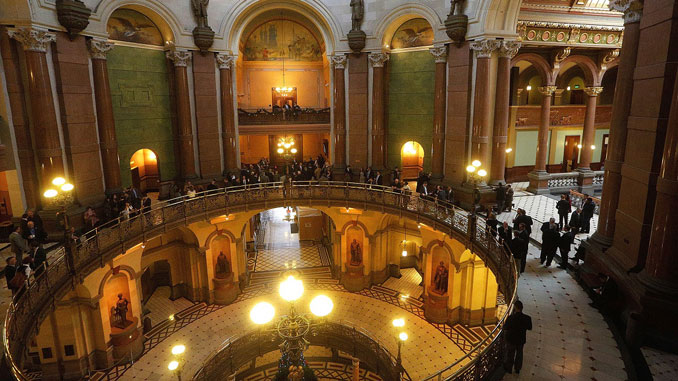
{"points": [[339, 61], [593, 91], [632, 9], [439, 53], [179, 57], [225, 61], [32, 39], [98, 49], [537, 32], [509, 49], [484, 48], [378, 59]]}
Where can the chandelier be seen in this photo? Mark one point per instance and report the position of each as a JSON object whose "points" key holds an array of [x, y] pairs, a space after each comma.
{"points": [[286, 147]]}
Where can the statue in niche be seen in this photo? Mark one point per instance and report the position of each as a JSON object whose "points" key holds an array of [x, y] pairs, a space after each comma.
{"points": [[119, 313], [357, 13], [223, 267], [200, 11], [440, 279], [456, 5], [356, 253]]}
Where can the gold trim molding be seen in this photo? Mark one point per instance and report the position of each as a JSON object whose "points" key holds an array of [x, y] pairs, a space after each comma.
{"points": [[547, 33]]}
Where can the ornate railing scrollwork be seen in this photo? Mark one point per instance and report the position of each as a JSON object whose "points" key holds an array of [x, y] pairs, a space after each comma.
{"points": [[39, 296]]}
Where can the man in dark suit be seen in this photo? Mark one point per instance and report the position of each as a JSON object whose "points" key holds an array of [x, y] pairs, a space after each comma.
{"points": [[575, 221], [564, 209], [587, 211], [564, 244], [10, 271], [517, 247], [517, 324], [505, 233], [549, 241], [378, 180], [501, 197], [39, 256]]}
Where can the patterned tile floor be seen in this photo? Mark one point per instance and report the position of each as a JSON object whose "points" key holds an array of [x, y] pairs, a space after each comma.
{"points": [[161, 307], [408, 284], [664, 366]]}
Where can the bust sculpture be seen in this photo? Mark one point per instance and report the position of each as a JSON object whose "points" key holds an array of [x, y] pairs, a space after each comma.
{"points": [[223, 267]]}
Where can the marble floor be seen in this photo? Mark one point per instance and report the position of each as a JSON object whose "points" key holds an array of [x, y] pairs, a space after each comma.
{"points": [[663, 366], [408, 284], [160, 306]]}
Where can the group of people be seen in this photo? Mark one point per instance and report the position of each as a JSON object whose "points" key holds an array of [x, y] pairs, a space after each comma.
{"points": [[123, 205], [28, 255], [504, 197]]}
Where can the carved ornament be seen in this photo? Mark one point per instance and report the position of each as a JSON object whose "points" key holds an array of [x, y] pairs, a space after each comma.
{"points": [[225, 61], [179, 57], [509, 49], [484, 48], [378, 59], [439, 53], [593, 91], [339, 61], [632, 9], [547, 90], [32, 39], [539, 33], [73, 15], [98, 49]]}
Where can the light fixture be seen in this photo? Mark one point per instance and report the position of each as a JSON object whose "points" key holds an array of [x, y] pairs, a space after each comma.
{"points": [[400, 322], [593, 146], [569, 88], [291, 289], [403, 336], [579, 146], [293, 150], [476, 163], [482, 173], [321, 306], [404, 253], [280, 150], [171, 317], [50, 193], [173, 365], [58, 181], [67, 187], [528, 88], [509, 150], [418, 226], [262, 313], [470, 169], [178, 349]]}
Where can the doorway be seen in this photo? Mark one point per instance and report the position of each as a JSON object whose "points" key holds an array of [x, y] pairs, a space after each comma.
{"points": [[144, 170], [412, 158], [571, 153]]}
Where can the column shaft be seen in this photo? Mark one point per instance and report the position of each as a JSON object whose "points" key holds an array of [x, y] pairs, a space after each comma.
{"points": [[501, 120], [481, 113], [229, 138], [589, 128], [183, 107], [438, 151], [544, 124], [107, 139], [378, 144], [623, 94], [339, 112]]}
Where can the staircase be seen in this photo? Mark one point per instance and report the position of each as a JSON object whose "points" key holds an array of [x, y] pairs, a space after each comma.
{"points": [[312, 275]]}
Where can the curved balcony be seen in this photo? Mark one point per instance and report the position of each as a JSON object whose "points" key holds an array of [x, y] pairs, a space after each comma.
{"points": [[38, 298]]}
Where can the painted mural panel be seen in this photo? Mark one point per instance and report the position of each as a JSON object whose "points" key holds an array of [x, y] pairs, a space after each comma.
{"points": [[413, 33], [278, 39], [132, 26]]}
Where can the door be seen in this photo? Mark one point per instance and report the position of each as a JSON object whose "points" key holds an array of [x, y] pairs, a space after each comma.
{"points": [[136, 179], [571, 153], [603, 150]]}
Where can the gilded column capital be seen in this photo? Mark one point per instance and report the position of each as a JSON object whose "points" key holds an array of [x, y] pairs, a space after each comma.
{"points": [[225, 61], [99, 48], [339, 61], [509, 49], [33, 39], [439, 53], [179, 57], [547, 90], [593, 91], [378, 59], [484, 48], [632, 9]]}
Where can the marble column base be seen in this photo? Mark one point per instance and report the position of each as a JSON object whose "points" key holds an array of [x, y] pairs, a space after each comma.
{"points": [[354, 279], [539, 182], [225, 290], [127, 342], [435, 308]]}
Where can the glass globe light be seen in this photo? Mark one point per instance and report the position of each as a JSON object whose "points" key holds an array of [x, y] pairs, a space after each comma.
{"points": [[509, 150], [400, 322], [404, 252], [470, 169], [291, 289], [293, 150], [476, 163], [593, 146], [482, 173], [67, 187], [280, 150], [579, 146], [178, 349], [287, 145], [278, 89], [321, 305], [59, 181], [49, 193], [528, 88], [262, 313], [403, 336], [173, 365]]}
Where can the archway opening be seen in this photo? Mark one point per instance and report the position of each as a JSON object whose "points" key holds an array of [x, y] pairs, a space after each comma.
{"points": [[412, 159], [144, 170]]}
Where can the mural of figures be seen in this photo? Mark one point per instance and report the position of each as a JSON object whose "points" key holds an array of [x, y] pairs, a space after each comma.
{"points": [[413, 33], [278, 39], [355, 247], [132, 26], [221, 254], [440, 278]]}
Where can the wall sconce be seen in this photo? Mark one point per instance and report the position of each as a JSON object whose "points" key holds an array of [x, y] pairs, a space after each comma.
{"points": [[509, 150], [528, 88]]}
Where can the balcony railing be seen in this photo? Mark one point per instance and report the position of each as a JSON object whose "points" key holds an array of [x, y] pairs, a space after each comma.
{"points": [[281, 116], [31, 306]]}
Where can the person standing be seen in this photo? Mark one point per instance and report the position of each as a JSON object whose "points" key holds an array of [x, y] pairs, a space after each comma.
{"points": [[549, 244], [17, 242], [563, 207], [517, 245], [505, 234], [491, 224], [10, 272], [501, 197], [508, 201], [515, 329], [564, 244], [587, 211], [576, 221]]}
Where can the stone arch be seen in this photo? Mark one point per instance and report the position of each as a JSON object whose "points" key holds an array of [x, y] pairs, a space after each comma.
{"points": [[391, 21], [540, 64], [592, 75], [216, 233], [245, 11], [164, 18], [493, 18]]}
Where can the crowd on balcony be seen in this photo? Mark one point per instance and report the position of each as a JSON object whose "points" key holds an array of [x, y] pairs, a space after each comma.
{"points": [[28, 254]]}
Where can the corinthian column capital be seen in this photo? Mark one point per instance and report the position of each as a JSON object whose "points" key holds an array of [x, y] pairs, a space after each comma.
{"points": [[179, 57], [225, 61], [547, 90], [509, 49], [593, 91], [98, 49], [632, 9], [33, 39], [339, 61], [484, 48], [378, 59], [439, 53]]}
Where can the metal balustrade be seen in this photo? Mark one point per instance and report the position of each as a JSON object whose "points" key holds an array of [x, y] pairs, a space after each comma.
{"points": [[31, 306]]}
